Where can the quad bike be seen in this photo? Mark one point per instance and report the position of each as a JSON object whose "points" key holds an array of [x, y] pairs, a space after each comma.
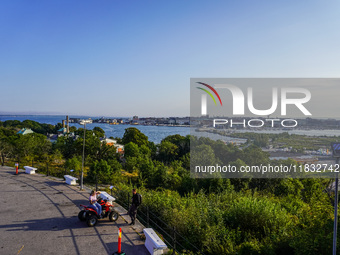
{"points": [[91, 216]]}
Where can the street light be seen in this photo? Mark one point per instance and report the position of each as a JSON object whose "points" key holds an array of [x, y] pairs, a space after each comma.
{"points": [[336, 155], [82, 163]]}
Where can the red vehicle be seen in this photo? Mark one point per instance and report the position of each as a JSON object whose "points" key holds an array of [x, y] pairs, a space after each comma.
{"points": [[91, 216]]}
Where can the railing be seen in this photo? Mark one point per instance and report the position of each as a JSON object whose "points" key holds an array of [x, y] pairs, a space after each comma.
{"points": [[171, 237]]}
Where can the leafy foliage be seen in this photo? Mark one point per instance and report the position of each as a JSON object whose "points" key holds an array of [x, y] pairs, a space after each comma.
{"points": [[134, 135]]}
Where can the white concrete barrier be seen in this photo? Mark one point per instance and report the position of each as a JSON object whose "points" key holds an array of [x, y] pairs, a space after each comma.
{"points": [[153, 243], [30, 170], [106, 196], [70, 180]]}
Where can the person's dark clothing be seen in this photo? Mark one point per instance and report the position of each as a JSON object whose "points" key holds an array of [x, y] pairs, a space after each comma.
{"points": [[133, 213], [136, 201]]}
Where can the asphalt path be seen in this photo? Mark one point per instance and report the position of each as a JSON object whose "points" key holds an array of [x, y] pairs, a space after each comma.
{"points": [[39, 215]]}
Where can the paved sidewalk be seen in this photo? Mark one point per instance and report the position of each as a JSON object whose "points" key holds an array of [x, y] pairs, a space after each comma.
{"points": [[39, 215]]}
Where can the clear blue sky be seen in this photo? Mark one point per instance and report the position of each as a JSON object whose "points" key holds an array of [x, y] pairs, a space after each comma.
{"points": [[124, 58]]}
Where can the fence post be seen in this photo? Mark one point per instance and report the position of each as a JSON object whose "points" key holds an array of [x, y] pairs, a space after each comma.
{"points": [[47, 168], [174, 241], [147, 217], [128, 202], [96, 183]]}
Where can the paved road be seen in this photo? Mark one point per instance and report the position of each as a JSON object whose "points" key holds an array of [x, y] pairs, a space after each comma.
{"points": [[38, 215]]}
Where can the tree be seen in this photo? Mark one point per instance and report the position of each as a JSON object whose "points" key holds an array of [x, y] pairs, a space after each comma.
{"points": [[167, 152], [254, 155], [145, 151], [13, 123], [107, 152], [132, 164], [203, 155], [66, 146], [100, 171], [223, 152], [98, 131], [146, 169], [57, 127], [42, 146], [7, 138], [114, 164], [32, 146], [134, 135], [175, 173], [131, 150], [92, 144], [185, 159], [74, 163], [183, 143], [35, 126], [159, 177]]}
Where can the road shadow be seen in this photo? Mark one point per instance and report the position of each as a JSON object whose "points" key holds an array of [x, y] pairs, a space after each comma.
{"points": [[54, 183], [128, 248], [79, 202], [50, 224]]}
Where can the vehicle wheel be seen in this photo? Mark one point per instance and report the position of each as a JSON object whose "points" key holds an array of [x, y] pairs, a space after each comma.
{"points": [[82, 215], [113, 216], [92, 221]]}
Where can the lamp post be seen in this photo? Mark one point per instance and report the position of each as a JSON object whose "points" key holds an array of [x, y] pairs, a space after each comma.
{"points": [[82, 163], [336, 155]]}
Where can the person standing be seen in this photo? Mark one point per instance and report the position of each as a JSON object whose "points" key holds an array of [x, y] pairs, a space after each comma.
{"points": [[136, 201], [93, 202]]}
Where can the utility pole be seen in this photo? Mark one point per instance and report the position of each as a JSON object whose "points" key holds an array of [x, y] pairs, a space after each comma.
{"points": [[82, 163]]}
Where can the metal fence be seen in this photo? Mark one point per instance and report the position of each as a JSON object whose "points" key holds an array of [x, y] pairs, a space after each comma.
{"points": [[171, 237]]}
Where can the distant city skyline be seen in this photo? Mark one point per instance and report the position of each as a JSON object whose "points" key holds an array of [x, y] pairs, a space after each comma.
{"points": [[81, 115], [125, 58]]}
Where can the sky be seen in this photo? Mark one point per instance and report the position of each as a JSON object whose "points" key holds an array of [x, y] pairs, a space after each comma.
{"points": [[125, 58]]}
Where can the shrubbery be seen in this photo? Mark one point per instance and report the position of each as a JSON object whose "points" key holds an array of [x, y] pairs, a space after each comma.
{"points": [[231, 222]]}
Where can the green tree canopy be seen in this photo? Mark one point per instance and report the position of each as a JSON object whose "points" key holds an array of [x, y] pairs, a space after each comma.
{"points": [[134, 135], [32, 146], [100, 171], [131, 150], [99, 131], [167, 152], [92, 145], [183, 143], [66, 146], [7, 138], [74, 163]]}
